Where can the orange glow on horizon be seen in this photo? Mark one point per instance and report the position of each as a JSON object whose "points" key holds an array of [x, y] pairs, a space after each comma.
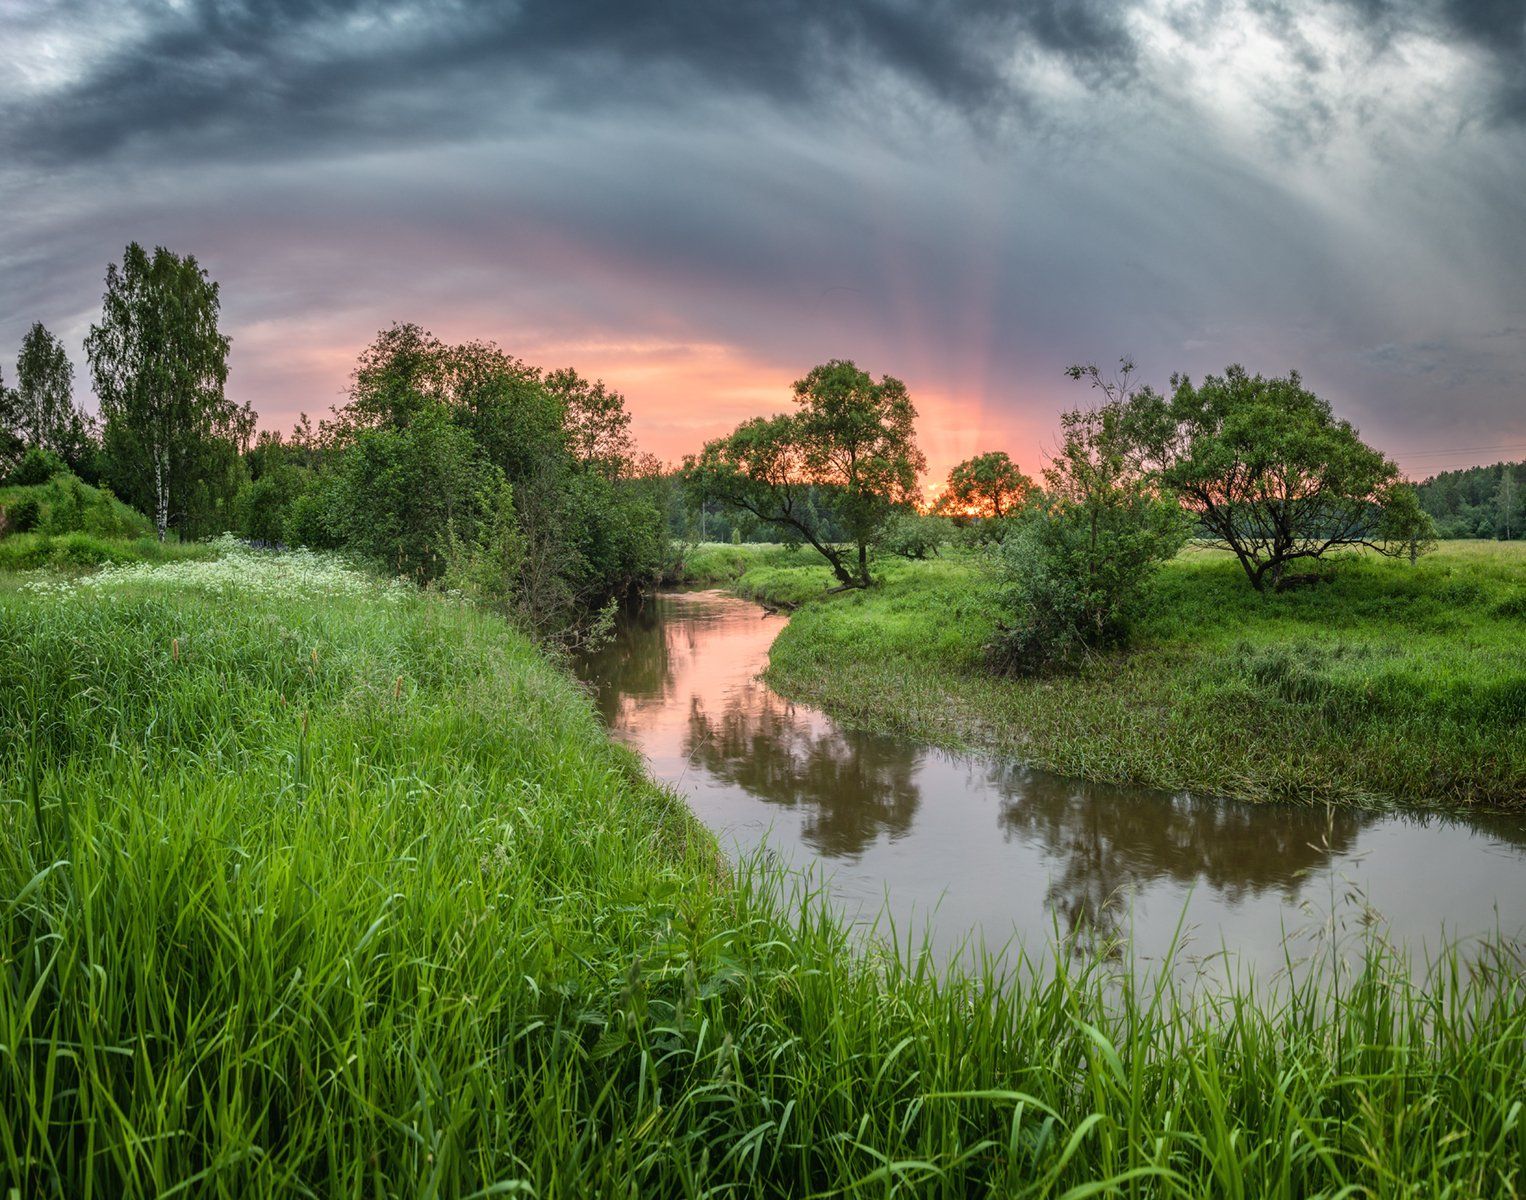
{"points": [[679, 393]]}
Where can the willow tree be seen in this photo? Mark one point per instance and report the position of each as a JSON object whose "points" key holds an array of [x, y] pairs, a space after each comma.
{"points": [[848, 453], [159, 364], [1269, 473]]}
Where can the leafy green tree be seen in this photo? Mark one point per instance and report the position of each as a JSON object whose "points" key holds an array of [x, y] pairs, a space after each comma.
{"points": [[1268, 472], [848, 450], [12, 444], [1079, 563], [596, 422], [47, 416], [159, 363], [1506, 503], [587, 527], [989, 485], [403, 493]]}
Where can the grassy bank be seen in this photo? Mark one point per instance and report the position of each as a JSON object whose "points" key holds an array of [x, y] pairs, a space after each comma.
{"points": [[1391, 683], [315, 887], [73, 525]]}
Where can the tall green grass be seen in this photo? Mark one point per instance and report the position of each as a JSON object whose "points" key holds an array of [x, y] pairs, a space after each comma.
{"points": [[1391, 683], [310, 887]]}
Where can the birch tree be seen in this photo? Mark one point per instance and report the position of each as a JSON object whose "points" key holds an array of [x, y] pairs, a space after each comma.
{"points": [[159, 364]]}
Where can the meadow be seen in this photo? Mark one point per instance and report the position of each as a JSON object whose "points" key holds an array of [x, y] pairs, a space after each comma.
{"points": [[319, 886], [1391, 683]]}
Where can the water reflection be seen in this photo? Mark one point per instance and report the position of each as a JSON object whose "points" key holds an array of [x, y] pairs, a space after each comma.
{"points": [[854, 787], [1106, 845], [967, 844]]}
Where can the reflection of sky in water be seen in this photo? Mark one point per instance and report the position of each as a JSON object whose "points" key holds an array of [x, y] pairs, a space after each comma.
{"points": [[959, 844]]}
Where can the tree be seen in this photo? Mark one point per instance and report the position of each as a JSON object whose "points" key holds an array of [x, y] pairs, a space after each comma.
{"points": [[45, 394], [598, 427], [448, 446], [1268, 472], [987, 486], [1079, 562], [159, 364], [403, 495], [1505, 502], [849, 449], [12, 445]]}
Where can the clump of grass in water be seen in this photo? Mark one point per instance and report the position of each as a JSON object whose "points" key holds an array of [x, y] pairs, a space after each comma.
{"points": [[485, 956]]}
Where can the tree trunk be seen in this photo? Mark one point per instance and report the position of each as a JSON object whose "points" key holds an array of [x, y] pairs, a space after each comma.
{"points": [[161, 494], [863, 563]]}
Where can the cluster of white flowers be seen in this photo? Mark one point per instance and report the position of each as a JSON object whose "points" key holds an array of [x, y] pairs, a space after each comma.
{"points": [[238, 570]]}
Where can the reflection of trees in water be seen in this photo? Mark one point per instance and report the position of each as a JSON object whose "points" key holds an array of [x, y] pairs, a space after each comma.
{"points": [[1110, 840], [636, 662], [854, 786]]}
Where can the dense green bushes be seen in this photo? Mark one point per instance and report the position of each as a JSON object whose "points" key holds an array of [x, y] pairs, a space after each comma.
{"points": [[63, 504], [437, 447]]}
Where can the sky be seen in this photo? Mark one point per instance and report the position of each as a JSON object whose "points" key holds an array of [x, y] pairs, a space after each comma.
{"points": [[697, 202]]}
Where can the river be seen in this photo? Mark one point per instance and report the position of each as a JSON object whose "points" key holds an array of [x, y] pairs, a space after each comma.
{"points": [[967, 850]]}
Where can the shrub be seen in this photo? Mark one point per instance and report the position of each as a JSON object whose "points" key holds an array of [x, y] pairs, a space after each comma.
{"points": [[36, 466], [912, 535], [21, 516]]}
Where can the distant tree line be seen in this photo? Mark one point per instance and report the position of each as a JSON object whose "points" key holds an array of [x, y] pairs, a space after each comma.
{"points": [[1478, 502]]}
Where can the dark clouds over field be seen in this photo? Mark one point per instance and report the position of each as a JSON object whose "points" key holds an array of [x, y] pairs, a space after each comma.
{"points": [[698, 201]]}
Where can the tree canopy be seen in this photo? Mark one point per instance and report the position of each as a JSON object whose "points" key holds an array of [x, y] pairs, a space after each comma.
{"points": [[445, 456], [1269, 473], [849, 448], [988, 485], [159, 363]]}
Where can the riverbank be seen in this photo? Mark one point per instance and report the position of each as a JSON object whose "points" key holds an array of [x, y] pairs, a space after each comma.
{"points": [[1391, 684], [314, 885]]}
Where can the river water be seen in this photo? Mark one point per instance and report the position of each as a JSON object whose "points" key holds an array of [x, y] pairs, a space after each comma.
{"points": [[967, 851]]}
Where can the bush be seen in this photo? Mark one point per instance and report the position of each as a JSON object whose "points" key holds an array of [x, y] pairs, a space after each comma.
{"points": [[912, 535], [1076, 575], [36, 466], [22, 515]]}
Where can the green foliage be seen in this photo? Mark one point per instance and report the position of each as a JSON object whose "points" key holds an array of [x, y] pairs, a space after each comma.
{"points": [[1078, 563], [20, 515], [910, 534], [330, 890], [1478, 502], [988, 486], [1269, 473], [1390, 682], [489, 568], [171, 438], [42, 413], [849, 449], [430, 435], [36, 466], [399, 492], [65, 504]]}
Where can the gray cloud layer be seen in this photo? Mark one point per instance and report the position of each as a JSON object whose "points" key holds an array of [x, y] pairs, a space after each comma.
{"points": [[968, 193]]}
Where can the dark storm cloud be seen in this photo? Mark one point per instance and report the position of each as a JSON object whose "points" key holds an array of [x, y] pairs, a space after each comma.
{"points": [[274, 75], [967, 194]]}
